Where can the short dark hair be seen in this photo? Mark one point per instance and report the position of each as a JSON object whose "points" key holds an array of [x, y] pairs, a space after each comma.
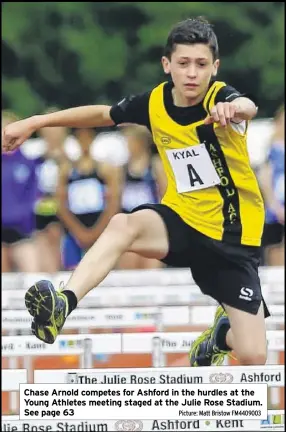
{"points": [[192, 31]]}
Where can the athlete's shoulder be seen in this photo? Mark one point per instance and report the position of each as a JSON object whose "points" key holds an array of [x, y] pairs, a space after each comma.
{"points": [[228, 93]]}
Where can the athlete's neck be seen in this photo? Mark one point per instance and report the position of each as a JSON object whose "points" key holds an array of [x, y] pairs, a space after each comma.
{"points": [[181, 101]]}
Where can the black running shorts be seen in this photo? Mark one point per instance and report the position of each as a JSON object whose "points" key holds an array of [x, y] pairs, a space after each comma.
{"points": [[228, 273]]}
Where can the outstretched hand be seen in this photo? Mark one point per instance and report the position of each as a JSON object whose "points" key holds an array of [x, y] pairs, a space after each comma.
{"points": [[15, 134]]}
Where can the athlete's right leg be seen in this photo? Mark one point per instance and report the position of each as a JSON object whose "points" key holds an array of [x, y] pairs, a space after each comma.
{"points": [[143, 232]]}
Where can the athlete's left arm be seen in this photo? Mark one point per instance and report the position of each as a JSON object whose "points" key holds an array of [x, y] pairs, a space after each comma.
{"points": [[236, 111], [231, 106], [243, 109]]}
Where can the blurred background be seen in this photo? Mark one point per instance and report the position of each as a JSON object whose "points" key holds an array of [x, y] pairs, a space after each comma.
{"points": [[57, 55], [74, 53], [57, 191]]}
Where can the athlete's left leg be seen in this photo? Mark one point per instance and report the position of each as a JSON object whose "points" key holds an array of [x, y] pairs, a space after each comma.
{"points": [[233, 281], [247, 335], [233, 330]]}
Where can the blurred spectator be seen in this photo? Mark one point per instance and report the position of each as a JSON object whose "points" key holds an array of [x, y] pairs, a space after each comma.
{"points": [[272, 181], [144, 184], [259, 131], [52, 141], [110, 147], [89, 194], [18, 198]]}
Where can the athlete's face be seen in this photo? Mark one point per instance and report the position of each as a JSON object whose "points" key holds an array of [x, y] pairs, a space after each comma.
{"points": [[191, 68]]}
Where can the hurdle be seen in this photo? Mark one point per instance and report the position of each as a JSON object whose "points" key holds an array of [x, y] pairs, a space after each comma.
{"points": [[133, 317], [118, 343], [139, 288]]}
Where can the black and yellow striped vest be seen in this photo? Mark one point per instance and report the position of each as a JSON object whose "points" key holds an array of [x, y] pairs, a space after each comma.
{"points": [[231, 211]]}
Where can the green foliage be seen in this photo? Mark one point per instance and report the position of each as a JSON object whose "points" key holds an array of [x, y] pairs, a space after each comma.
{"points": [[67, 54]]}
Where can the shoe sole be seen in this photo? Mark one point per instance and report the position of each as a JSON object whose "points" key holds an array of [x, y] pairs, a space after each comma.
{"points": [[40, 300]]}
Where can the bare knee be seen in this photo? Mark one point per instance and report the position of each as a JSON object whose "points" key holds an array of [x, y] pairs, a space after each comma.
{"points": [[124, 227], [253, 357]]}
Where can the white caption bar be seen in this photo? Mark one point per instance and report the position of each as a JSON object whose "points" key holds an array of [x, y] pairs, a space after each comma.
{"points": [[69, 401]]}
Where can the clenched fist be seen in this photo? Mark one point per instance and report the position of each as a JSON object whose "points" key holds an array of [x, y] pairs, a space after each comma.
{"points": [[15, 134], [222, 113]]}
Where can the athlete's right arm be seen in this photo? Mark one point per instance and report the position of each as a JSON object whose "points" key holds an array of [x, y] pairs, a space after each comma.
{"points": [[15, 134]]}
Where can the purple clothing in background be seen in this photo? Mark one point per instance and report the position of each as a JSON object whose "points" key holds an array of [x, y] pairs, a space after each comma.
{"points": [[19, 188]]}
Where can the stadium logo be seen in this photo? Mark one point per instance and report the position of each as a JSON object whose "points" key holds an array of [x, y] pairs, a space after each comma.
{"points": [[129, 425], [221, 378]]}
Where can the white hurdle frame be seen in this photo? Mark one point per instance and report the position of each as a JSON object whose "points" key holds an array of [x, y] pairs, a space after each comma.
{"points": [[120, 290], [116, 343]]}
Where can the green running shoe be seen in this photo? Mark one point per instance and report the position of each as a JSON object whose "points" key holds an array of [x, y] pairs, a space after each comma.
{"points": [[49, 309], [204, 350]]}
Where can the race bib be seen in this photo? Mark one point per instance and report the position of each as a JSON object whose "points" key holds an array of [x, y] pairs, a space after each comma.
{"points": [[192, 168]]}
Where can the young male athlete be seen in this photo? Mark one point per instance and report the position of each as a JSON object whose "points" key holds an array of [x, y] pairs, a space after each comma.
{"points": [[211, 217]]}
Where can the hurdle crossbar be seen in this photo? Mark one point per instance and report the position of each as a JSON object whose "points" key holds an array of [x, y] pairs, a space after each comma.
{"points": [[119, 343]]}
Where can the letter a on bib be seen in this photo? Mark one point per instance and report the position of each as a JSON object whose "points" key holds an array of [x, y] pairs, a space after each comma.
{"points": [[195, 170]]}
